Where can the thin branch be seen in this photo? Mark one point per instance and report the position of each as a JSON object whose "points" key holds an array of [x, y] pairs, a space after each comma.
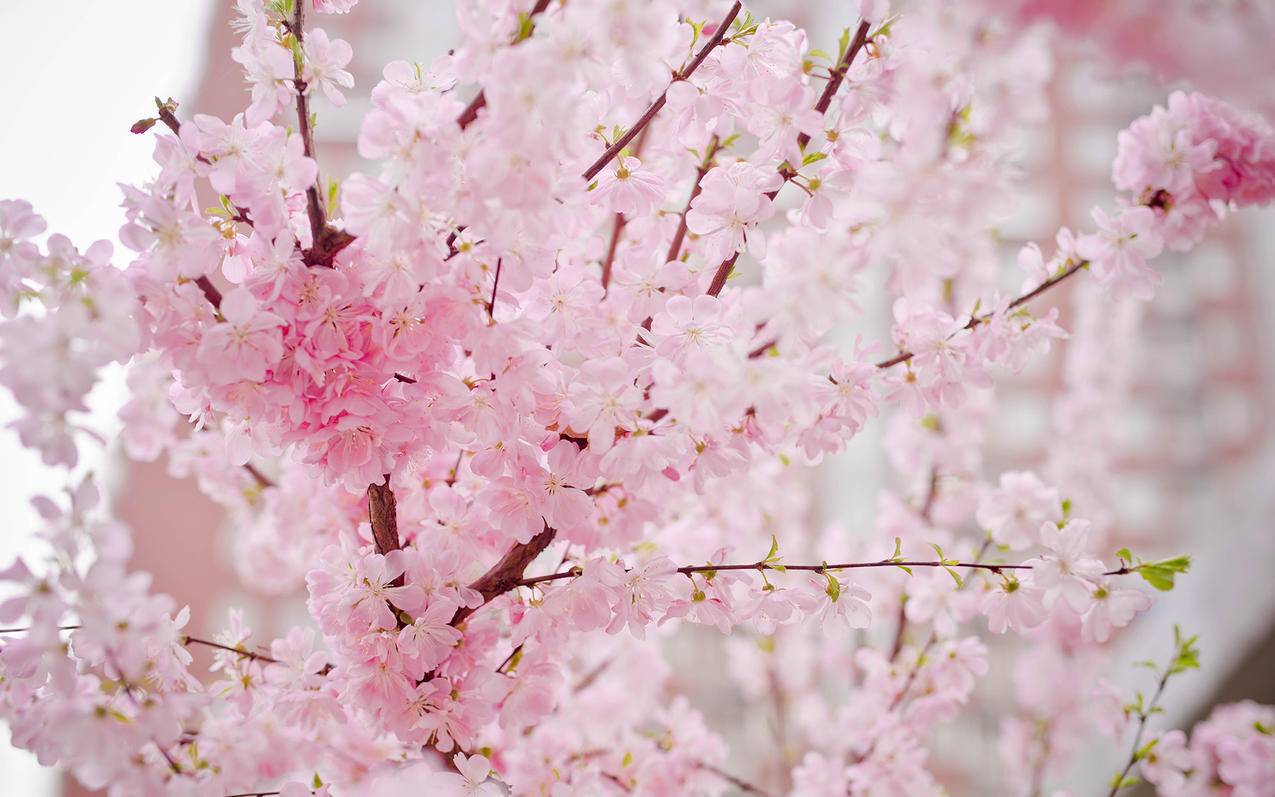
{"points": [[247, 654], [470, 113], [974, 321], [780, 567], [495, 285], [734, 780], [675, 246], [786, 170], [617, 228], [621, 221], [28, 628], [263, 481], [1143, 716], [314, 203], [682, 74]]}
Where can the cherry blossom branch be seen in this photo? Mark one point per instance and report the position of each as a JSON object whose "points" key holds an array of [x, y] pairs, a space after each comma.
{"points": [[210, 291], [734, 780], [786, 170], [687, 570], [314, 206], [507, 573], [470, 113], [617, 228], [185, 640], [247, 654], [927, 509], [495, 285], [675, 246], [382, 515], [325, 241], [1185, 657], [1134, 755], [263, 481], [654, 108], [166, 115], [975, 320]]}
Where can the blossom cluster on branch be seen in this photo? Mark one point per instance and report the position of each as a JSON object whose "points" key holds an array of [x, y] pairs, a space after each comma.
{"points": [[537, 386]]}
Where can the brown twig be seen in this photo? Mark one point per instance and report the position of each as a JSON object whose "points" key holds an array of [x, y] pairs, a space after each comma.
{"points": [[382, 514], [325, 241], [247, 654], [654, 108], [479, 101], [675, 246], [734, 780], [263, 481], [507, 573], [781, 567], [495, 285], [975, 320], [786, 170]]}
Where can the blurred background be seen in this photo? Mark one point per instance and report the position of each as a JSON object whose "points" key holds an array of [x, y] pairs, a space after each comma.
{"points": [[1197, 463]]}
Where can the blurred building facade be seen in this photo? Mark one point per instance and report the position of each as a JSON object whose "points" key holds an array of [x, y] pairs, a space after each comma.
{"points": [[1199, 436]]}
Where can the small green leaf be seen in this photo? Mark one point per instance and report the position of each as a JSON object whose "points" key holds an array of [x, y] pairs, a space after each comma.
{"points": [[1161, 574]]}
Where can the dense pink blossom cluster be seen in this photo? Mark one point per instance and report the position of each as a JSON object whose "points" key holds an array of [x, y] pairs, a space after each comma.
{"points": [[499, 404]]}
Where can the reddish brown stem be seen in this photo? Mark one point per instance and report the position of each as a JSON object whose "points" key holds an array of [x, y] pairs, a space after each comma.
{"points": [[495, 286], [974, 321], [675, 246], [479, 102], [507, 573], [382, 511], [247, 654], [786, 170], [646, 117]]}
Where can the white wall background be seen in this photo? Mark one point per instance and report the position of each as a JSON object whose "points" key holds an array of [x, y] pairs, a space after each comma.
{"points": [[73, 78]]}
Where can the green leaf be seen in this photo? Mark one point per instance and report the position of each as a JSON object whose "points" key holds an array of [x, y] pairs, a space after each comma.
{"points": [[1161, 574], [1187, 655], [898, 550], [1125, 554], [813, 157]]}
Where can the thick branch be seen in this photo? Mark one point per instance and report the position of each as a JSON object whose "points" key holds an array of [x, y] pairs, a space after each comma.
{"points": [[507, 573], [382, 511], [682, 74]]}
